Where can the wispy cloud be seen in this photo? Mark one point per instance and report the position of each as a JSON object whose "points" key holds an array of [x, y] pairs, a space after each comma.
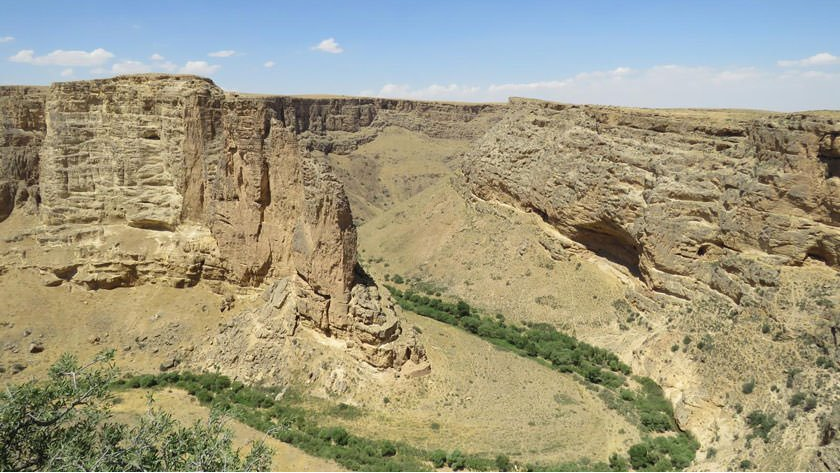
{"points": [[222, 53], [432, 92], [157, 57], [658, 86], [329, 45], [269, 64], [66, 72], [130, 67], [60, 57], [6, 39], [201, 68], [820, 59]]}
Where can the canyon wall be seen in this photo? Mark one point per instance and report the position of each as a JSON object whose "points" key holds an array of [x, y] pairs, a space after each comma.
{"points": [[168, 179], [687, 201]]}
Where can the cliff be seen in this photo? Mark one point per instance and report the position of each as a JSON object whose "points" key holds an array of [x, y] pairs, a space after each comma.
{"points": [[168, 179], [687, 201]]}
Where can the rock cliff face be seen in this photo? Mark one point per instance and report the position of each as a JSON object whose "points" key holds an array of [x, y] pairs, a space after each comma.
{"points": [[168, 179], [22, 116], [686, 201], [724, 226]]}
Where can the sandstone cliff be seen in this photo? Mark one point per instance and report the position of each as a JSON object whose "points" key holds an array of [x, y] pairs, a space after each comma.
{"points": [[725, 228], [22, 115], [168, 179], [687, 202]]}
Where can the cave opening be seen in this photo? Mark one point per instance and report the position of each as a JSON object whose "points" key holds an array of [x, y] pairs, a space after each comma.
{"points": [[832, 166], [610, 241], [830, 156], [151, 135], [820, 253]]}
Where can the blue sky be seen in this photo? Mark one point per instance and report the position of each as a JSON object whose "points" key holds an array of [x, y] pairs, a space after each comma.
{"points": [[755, 54]]}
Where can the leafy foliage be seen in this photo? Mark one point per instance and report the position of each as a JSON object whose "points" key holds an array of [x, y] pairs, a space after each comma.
{"points": [[63, 424], [663, 453], [761, 424], [564, 352]]}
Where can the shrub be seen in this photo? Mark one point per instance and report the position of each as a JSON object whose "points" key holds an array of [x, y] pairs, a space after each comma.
{"points": [[810, 404], [618, 462], [438, 458], [455, 460], [797, 399], [761, 424], [502, 462]]}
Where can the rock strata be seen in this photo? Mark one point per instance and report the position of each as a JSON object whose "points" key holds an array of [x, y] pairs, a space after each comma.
{"points": [[158, 178], [687, 202]]}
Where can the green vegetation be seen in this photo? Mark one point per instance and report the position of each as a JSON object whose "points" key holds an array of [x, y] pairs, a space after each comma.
{"points": [[595, 366], [62, 424], [761, 424], [289, 423], [663, 453], [564, 352], [826, 363], [797, 399]]}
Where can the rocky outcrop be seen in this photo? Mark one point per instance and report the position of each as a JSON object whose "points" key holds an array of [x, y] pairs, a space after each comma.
{"points": [[24, 125], [158, 178], [686, 201]]}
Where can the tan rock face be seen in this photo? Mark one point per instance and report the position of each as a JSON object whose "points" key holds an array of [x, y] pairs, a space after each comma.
{"points": [[687, 202], [22, 118], [167, 178]]}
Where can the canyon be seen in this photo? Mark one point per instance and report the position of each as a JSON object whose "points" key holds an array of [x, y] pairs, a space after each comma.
{"points": [[254, 235]]}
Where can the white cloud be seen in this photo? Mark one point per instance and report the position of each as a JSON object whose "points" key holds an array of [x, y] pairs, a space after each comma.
{"points": [[432, 92], [60, 57], [130, 67], [659, 86], [821, 59], [198, 68], [329, 45], [156, 57], [222, 53], [67, 72], [269, 64], [6, 39]]}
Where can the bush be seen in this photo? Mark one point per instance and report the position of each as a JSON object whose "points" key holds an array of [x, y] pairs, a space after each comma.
{"points": [[797, 399], [438, 458], [456, 460], [502, 462], [761, 424], [618, 462], [663, 453]]}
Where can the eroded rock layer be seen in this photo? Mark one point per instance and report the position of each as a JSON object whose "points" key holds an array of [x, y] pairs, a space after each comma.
{"points": [[686, 201], [22, 118], [158, 178]]}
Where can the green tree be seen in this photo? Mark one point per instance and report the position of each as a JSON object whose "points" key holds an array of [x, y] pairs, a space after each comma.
{"points": [[63, 423]]}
